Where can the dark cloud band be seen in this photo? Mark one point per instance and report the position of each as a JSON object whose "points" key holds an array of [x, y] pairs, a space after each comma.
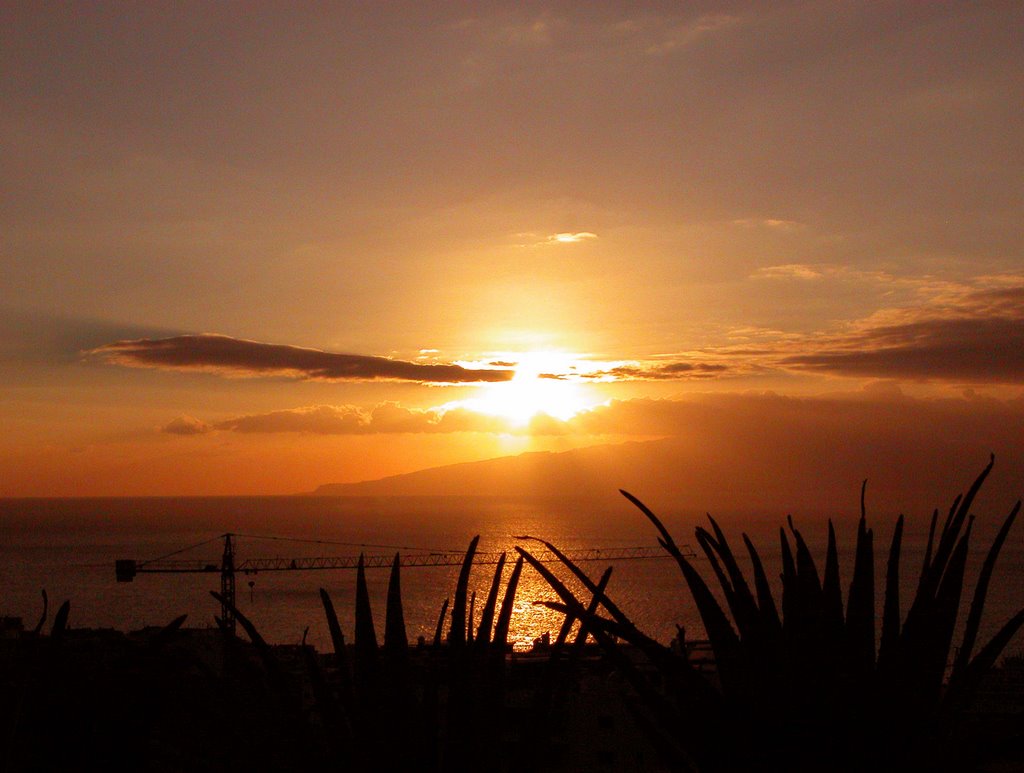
{"points": [[238, 357], [978, 339]]}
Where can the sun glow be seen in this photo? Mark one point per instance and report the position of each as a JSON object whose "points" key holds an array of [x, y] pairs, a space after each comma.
{"points": [[543, 384]]}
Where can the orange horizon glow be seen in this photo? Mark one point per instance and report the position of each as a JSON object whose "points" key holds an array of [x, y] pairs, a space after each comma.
{"points": [[339, 242]]}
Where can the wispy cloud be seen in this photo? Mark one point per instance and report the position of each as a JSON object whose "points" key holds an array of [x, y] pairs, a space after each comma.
{"points": [[227, 356], [682, 36], [790, 271], [776, 224], [570, 238]]}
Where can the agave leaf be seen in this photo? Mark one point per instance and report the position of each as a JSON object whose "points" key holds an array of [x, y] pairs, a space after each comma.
{"points": [[926, 639], [397, 696], [595, 621], [790, 591], [483, 633], [365, 654], [563, 633], [337, 638], [338, 641], [167, 633], [765, 600], [806, 571], [690, 687], [947, 600], [254, 635], [365, 633], [967, 680], [891, 609], [924, 596], [338, 737], [930, 546], [658, 653], [500, 641], [568, 597], [600, 626], [552, 684], [595, 602], [951, 532], [470, 617], [42, 618], [707, 544], [860, 604], [582, 576], [396, 642], [673, 755], [980, 591], [457, 630], [576, 607], [60, 622], [276, 674], [440, 623], [723, 638], [746, 612], [952, 511], [666, 538], [832, 594], [808, 601]]}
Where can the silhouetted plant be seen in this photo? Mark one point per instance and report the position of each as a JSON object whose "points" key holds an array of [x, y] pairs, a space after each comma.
{"points": [[444, 714], [804, 689]]}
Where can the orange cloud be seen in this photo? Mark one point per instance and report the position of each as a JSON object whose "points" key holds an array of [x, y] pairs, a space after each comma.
{"points": [[238, 357], [384, 418]]}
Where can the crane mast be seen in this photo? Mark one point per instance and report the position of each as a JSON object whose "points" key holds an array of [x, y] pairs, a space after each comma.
{"points": [[227, 584]]}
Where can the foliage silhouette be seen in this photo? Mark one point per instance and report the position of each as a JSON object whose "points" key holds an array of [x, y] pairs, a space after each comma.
{"points": [[804, 690]]}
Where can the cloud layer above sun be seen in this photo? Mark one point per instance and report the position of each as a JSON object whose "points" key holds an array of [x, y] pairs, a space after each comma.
{"points": [[228, 356], [965, 333], [971, 333]]}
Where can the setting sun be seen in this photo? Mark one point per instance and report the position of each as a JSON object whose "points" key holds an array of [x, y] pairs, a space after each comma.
{"points": [[543, 384]]}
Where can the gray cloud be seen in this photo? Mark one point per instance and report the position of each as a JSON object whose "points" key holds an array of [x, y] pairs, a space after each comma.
{"points": [[971, 334], [658, 370], [976, 336], [228, 356], [187, 425]]}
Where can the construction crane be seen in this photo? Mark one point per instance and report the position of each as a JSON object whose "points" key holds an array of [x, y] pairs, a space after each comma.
{"points": [[126, 569]]}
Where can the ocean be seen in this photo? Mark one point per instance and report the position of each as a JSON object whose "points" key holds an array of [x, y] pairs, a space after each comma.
{"points": [[69, 546]]}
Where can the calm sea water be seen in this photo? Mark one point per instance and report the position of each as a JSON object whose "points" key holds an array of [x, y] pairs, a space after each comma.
{"points": [[68, 547]]}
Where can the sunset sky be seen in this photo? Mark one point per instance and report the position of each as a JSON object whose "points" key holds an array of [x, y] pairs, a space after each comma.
{"points": [[258, 247]]}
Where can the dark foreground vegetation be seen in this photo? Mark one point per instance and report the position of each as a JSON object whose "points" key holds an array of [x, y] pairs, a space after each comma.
{"points": [[793, 685]]}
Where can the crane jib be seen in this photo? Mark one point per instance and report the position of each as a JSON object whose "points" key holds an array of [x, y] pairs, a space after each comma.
{"points": [[126, 569]]}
